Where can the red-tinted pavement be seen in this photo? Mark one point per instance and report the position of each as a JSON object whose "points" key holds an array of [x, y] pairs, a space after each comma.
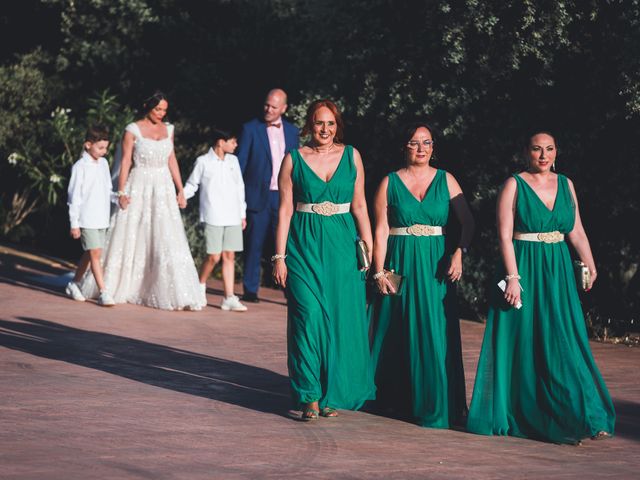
{"points": [[135, 393]]}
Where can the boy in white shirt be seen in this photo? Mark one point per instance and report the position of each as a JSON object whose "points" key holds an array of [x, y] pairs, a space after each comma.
{"points": [[222, 210], [89, 200]]}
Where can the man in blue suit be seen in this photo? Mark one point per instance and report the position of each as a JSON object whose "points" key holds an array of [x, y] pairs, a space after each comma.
{"points": [[263, 144]]}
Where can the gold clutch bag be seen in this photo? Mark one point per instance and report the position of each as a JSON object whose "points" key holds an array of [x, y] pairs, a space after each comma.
{"points": [[362, 252], [395, 280], [583, 275]]}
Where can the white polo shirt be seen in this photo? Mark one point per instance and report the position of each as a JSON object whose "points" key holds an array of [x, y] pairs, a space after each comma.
{"points": [[89, 193], [221, 189]]}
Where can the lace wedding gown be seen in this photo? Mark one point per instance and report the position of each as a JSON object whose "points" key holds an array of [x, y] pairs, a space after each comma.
{"points": [[146, 258]]}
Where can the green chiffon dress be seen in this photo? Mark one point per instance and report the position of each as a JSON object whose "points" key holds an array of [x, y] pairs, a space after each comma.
{"points": [[416, 351], [536, 375], [328, 344]]}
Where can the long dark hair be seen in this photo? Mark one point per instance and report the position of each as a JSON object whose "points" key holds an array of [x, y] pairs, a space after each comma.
{"points": [[151, 102]]}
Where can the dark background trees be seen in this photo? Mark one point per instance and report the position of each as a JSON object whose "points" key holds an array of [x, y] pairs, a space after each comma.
{"points": [[483, 73]]}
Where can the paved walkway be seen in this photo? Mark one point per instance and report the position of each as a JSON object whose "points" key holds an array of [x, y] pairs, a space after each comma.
{"points": [[136, 393]]}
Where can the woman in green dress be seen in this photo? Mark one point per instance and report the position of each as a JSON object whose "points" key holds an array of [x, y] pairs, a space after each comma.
{"points": [[321, 203], [416, 347], [536, 376]]}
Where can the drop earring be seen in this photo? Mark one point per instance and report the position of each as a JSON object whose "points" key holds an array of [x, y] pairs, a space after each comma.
{"points": [[553, 166]]}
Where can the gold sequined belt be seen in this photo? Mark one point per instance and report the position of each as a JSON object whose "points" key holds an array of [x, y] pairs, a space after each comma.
{"points": [[417, 230], [325, 208], [546, 237]]}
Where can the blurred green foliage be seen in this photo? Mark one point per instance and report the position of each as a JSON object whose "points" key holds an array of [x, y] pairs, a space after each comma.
{"points": [[483, 73]]}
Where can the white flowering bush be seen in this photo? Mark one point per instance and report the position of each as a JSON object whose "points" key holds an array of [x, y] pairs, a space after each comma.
{"points": [[43, 164], [14, 158], [55, 179]]}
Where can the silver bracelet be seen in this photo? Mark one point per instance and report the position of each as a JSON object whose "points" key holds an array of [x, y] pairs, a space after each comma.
{"points": [[511, 276]]}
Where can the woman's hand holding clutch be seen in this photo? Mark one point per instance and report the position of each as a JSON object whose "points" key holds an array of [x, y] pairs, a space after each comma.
{"points": [[385, 287], [388, 282]]}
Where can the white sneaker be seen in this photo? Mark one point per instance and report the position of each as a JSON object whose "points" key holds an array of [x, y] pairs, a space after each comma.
{"points": [[105, 299], [73, 291], [232, 303], [203, 286]]}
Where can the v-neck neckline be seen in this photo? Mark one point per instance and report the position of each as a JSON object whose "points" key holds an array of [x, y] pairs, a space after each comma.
{"points": [[426, 193], [326, 182], [555, 198]]}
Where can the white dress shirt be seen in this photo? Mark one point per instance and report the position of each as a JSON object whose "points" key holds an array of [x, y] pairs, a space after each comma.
{"points": [[90, 193], [221, 189]]}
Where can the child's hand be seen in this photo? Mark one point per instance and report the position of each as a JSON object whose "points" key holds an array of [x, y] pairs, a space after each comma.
{"points": [[182, 202], [123, 201], [244, 223], [75, 233]]}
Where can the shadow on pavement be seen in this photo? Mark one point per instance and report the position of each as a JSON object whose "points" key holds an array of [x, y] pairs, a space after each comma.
{"points": [[627, 419], [37, 273], [158, 365]]}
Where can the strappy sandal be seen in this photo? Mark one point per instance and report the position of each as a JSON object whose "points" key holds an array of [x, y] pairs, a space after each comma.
{"points": [[309, 414], [601, 435], [328, 412]]}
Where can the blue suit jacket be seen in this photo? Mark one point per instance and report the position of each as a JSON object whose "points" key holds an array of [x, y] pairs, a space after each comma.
{"points": [[254, 155]]}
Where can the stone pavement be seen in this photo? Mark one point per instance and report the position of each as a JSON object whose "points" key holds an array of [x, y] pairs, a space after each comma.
{"points": [[135, 393]]}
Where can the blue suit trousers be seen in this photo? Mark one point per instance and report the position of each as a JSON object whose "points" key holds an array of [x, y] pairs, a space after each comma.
{"points": [[259, 225]]}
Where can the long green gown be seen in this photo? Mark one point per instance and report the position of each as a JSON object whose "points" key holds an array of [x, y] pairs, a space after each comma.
{"points": [[536, 375], [328, 344], [416, 349]]}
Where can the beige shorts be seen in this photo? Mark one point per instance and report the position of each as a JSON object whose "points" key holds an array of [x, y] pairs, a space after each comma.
{"points": [[92, 238], [223, 239]]}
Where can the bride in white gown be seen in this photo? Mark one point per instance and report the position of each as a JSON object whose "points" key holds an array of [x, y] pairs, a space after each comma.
{"points": [[146, 258]]}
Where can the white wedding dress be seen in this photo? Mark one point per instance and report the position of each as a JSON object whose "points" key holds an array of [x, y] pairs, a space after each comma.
{"points": [[146, 258]]}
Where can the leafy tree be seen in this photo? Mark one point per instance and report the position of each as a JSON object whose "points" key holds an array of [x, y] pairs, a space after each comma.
{"points": [[483, 73]]}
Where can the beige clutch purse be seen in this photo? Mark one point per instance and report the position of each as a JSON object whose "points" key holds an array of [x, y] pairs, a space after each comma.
{"points": [[395, 280]]}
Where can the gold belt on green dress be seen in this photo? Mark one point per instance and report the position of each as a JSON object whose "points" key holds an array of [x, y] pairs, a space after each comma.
{"points": [[325, 208], [546, 237], [417, 230]]}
